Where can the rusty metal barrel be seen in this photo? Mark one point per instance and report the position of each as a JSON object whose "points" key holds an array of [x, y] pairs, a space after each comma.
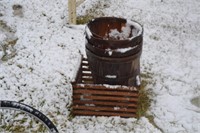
{"points": [[113, 48]]}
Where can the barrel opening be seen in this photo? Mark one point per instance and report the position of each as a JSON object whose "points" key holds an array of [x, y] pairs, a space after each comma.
{"points": [[114, 29]]}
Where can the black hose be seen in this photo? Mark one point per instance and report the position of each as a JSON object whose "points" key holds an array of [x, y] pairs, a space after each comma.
{"points": [[29, 110]]}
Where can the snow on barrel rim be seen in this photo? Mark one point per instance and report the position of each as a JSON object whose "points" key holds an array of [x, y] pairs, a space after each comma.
{"points": [[138, 30]]}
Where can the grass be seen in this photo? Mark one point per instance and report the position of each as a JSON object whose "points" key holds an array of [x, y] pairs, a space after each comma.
{"points": [[144, 100], [20, 122], [84, 19], [3, 25], [8, 43], [94, 12]]}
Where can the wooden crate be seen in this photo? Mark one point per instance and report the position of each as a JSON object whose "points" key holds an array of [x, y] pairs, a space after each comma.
{"points": [[102, 100]]}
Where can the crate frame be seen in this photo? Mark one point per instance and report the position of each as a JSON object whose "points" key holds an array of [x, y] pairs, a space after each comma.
{"points": [[91, 99]]}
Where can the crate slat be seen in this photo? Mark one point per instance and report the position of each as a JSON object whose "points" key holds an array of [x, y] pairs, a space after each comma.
{"points": [[87, 74], [115, 93], [111, 109], [94, 113], [87, 79], [84, 59], [85, 64], [102, 87], [107, 103], [104, 98], [85, 69]]}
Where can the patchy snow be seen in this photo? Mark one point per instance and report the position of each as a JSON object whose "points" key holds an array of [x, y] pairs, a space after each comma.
{"points": [[48, 54], [111, 76], [88, 32], [124, 50], [91, 105], [137, 30], [114, 34], [119, 50], [138, 80], [2, 37], [126, 30], [109, 51], [116, 108]]}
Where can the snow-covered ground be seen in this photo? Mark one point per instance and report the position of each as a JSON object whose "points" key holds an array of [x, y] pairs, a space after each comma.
{"points": [[48, 53]]}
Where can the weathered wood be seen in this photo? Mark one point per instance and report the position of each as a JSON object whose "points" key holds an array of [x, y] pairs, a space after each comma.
{"points": [[101, 87], [72, 11], [85, 64], [114, 93], [87, 74], [105, 98], [85, 59], [94, 113], [111, 109], [102, 100], [87, 79], [107, 103], [85, 69]]}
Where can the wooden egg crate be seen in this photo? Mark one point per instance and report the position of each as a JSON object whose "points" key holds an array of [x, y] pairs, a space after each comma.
{"points": [[101, 100]]}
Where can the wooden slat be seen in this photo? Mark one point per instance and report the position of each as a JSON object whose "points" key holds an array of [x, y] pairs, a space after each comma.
{"points": [[101, 87], [111, 109], [83, 66], [89, 72], [107, 103], [84, 59], [87, 79], [86, 74], [87, 82], [105, 98], [115, 93], [85, 69], [85, 63], [94, 113]]}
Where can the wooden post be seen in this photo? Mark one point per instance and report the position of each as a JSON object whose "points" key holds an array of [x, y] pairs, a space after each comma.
{"points": [[72, 11]]}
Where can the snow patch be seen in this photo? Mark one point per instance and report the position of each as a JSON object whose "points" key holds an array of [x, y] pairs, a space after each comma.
{"points": [[2, 37], [111, 76], [116, 108], [88, 32], [119, 50], [129, 31], [124, 50], [138, 80]]}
